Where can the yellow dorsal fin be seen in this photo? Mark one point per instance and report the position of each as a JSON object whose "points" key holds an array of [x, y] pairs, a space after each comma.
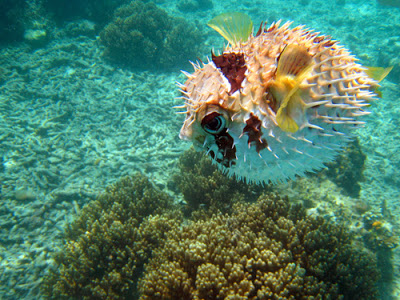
{"points": [[294, 65], [378, 73], [234, 27]]}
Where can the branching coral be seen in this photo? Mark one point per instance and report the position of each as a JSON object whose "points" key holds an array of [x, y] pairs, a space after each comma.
{"points": [[110, 241], [204, 186], [143, 35], [261, 251]]}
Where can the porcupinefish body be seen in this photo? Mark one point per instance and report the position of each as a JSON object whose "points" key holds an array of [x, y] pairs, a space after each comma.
{"points": [[276, 104]]}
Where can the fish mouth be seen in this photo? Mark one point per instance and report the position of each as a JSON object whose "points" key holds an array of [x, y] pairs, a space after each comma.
{"points": [[226, 154]]}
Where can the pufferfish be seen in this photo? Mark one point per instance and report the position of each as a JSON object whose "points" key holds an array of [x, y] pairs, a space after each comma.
{"points": [[276, 104]]}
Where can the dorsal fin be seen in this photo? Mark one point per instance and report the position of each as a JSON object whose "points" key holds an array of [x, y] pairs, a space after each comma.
{"points": [[234, 26]]}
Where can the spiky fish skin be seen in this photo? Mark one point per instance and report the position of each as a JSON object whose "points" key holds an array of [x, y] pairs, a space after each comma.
{"points": [[337, 90]]}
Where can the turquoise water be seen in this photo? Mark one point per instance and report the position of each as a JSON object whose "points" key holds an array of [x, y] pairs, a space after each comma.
{"points": [[79, 111]]}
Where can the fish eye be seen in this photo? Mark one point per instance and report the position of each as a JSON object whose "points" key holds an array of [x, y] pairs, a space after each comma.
{"points": [[213, 123]]}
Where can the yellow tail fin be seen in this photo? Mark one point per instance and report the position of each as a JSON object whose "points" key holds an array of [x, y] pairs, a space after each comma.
{"points": [[378, 73]]}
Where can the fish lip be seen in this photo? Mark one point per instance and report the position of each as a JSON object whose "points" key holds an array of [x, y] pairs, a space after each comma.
{"points": [[183, 136]]}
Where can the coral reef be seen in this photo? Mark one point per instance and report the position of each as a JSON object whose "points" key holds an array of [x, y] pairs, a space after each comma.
{"points": [[142, 35], [110, 241], [262, 251], [204, 186], [379, 233], [347, 169]]}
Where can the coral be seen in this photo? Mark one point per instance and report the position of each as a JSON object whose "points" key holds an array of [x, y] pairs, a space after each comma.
{"points": [[110, 241], [144, 36], [264, 250], [347, 169], [379, 234], [204, 186]]}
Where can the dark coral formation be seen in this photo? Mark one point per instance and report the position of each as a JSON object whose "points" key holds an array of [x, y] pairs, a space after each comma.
{"points": [[204, 186], [144, 36], [261, 251], [110, 241], [347, 169]]}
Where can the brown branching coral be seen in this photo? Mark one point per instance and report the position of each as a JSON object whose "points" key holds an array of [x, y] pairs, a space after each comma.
{"points": [[111, 240], [204, 186], [143, 35], [261, 251]]}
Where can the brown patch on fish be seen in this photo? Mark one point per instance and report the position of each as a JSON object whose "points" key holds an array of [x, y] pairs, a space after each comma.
{"points": [[254, 133], [233, 66]]}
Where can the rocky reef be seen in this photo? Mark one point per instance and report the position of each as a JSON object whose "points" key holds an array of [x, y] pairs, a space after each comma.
{"points": [[143, 35]]}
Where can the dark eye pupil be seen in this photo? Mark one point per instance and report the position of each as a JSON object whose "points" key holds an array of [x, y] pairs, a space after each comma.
{"points": [[213, 123]]}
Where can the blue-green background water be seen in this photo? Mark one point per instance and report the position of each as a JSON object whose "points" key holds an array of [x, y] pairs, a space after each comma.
{"points": [[72, 120]]}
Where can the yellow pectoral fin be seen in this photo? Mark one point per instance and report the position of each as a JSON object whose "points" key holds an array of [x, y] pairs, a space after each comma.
{"points": [[294, 65], [285, 115], [285, 122], [294, 61], [292, 106]]}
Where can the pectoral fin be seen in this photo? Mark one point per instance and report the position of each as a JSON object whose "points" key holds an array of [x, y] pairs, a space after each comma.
{"points": [[283, 118], [294, 65]]}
